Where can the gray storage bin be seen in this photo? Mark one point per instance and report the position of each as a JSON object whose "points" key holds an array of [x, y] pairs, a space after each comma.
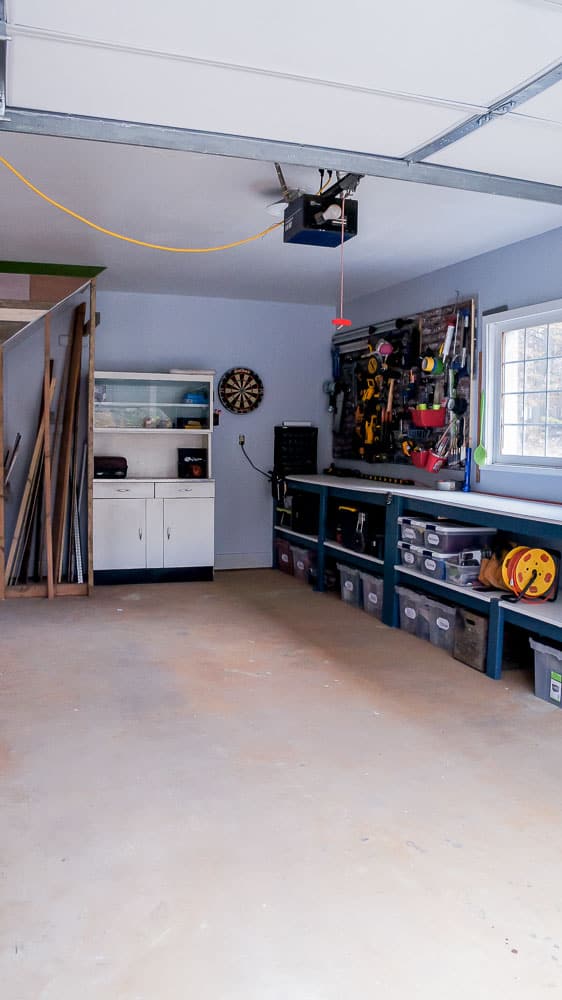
{"points": [[372, 594], [409, 555], [409, 603], [434, 564], [454, 538], [471, 637], [548, 673], [304, 561], [351, 586], [411, 530], [442, 620]]}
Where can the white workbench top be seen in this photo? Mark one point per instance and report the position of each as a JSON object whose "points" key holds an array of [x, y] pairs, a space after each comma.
{"points": [[532, 510]]}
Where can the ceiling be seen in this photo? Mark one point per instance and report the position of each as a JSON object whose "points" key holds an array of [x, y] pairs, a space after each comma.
{"points": [[282, 72]]}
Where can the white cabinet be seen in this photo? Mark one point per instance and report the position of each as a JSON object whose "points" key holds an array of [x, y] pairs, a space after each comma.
{"points": [[136, 528], [119, 534], [188, 532], [154, 522]]}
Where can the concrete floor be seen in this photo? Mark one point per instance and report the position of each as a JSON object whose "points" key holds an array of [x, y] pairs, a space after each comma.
{"points": [[247, 791]]}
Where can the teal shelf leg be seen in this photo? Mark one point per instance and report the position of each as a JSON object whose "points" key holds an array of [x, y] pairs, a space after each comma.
{"points": [[391, 535], [322, 525], [494, 651]]}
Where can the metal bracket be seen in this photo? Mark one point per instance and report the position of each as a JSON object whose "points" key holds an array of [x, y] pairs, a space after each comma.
{"points": [[510, 102]]}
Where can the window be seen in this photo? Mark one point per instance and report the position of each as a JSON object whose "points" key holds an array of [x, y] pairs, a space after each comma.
{"points": [[523, 361]]}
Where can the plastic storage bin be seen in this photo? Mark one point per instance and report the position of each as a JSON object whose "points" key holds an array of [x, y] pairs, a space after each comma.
{"points": [[304, 560], [442, 620], [412, 530], [434, 564], [462, 576], [548, 673], [410, 604], [471, 637], [409, 555], [372, 594], [284, 556], [455, 538], [351, 588]]}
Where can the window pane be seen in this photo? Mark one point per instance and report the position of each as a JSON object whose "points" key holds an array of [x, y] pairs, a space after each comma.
{"points": [[514, 345], [534, 441], [535, 407], [512, 443], [513, 378], [554, 442], [535, 376], [554, 408], [536, 339], [513, 409], [555, 373], [555, 340]]}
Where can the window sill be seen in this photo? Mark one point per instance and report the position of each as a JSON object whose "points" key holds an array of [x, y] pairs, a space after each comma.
{"points": [[522, 470]]}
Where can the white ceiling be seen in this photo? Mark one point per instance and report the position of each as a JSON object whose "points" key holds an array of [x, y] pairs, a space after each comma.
{"points": [[376, 77]]}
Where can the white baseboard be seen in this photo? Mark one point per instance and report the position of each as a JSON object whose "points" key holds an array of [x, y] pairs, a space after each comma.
{"points": [[243, 560]]}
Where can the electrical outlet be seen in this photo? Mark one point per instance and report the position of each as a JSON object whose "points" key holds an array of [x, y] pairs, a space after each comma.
{"points": [[241, 440]]}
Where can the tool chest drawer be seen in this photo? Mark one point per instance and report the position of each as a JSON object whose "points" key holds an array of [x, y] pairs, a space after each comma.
{"points": [[124, 489], [185, 488]]}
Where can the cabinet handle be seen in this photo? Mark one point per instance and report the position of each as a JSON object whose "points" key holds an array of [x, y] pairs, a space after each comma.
{"points": [[140, 534], [121, 489], [186, 489], [168, 533]]}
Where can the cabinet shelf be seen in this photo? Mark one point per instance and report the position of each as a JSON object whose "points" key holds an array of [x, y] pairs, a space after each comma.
{"points": [[146, 405], [351, 552], [153, 430], [478, 595], [297, 534]]}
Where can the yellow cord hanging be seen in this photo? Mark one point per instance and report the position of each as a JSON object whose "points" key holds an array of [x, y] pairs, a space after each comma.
{"points": [[129, 239]]}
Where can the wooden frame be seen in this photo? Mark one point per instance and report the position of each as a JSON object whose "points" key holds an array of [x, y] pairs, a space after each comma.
{"points": [[45, 451]]}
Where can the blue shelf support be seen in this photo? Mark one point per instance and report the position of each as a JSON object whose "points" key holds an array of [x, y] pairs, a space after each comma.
{"points": [[494, 651], [322, 522], [394, 507]]}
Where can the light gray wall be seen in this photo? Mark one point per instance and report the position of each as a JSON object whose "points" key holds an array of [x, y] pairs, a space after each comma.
{"points": [[521, 274], [289, 347]]}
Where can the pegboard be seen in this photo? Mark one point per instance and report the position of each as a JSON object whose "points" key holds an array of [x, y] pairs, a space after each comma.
{"points": [[391, 380]]}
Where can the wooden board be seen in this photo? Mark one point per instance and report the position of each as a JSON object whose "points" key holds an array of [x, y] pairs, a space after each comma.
{"points": [[60, 511], [47, 521], [90, 468], [2, 491]]}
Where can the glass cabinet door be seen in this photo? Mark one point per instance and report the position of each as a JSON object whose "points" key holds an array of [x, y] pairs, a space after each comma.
{"points": [[151, 404]]}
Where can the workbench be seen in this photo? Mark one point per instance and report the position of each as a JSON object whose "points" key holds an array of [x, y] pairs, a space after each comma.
{"points": [[525, 520]]}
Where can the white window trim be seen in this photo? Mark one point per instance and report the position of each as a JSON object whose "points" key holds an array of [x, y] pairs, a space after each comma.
{"points": [[494, 324]]}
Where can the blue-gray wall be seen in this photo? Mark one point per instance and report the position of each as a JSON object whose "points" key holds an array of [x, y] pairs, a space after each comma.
{"points": [[521, 274], [288, 345]]}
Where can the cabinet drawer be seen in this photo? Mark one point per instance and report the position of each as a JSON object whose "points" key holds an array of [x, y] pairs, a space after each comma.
{"points": [[186, 488], [122, 489]]}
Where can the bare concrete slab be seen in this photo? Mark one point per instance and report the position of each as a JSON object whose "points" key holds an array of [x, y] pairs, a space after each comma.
{"points": [[247, 791]]}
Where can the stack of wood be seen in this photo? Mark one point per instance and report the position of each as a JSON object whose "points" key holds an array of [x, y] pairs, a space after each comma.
{"points": [[47, 535]]}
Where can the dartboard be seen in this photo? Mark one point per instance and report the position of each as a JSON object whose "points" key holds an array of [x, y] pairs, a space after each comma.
{"points": [[240, 390]]}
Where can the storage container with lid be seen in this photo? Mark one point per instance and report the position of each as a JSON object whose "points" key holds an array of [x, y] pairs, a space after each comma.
{"points": [[462, 576], [434, 564], [409, 554], [412, 530], [372, 594], [454, 537]]}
